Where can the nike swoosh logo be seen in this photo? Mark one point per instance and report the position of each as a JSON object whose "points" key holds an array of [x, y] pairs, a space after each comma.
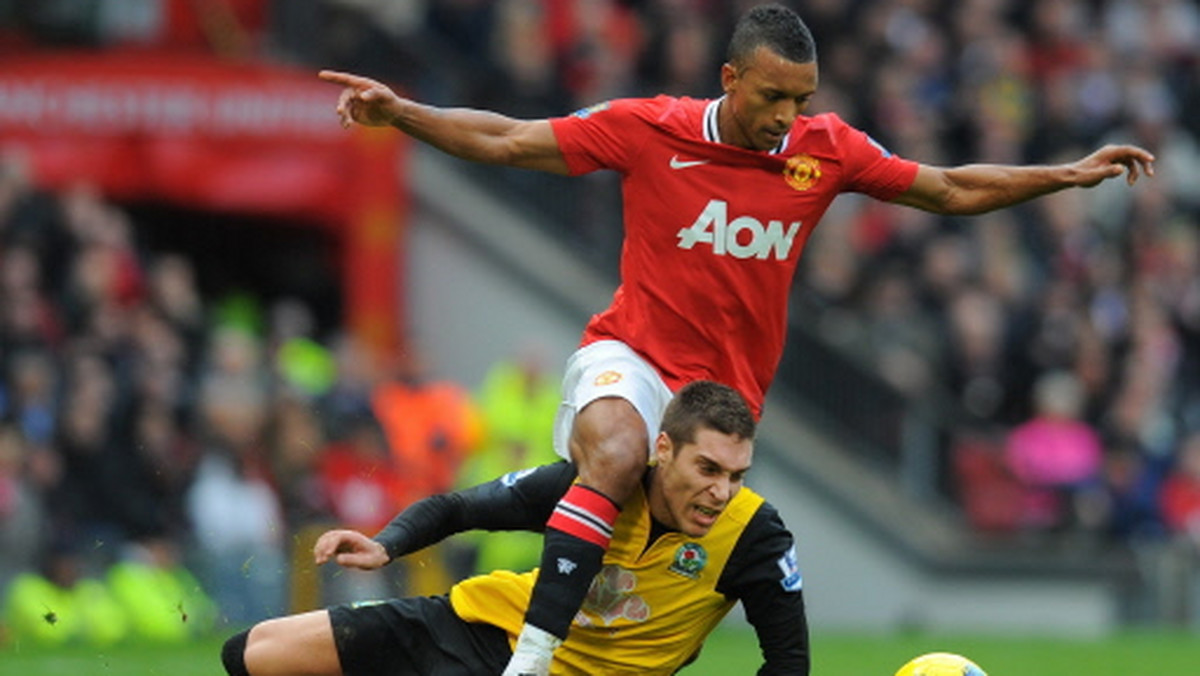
{"points": [[677, 163]]}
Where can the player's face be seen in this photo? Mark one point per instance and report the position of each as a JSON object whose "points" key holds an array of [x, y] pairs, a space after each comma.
{"points": [[694, 482], [763, 97]]}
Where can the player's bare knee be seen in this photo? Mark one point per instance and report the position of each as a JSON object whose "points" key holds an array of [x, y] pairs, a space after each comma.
{"points": [[292, 645], [257, 645], [266, 642], [614, 466]]}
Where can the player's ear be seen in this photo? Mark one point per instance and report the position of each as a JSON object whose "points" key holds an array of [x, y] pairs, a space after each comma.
{"points": [[729, 75], [663, 448]]}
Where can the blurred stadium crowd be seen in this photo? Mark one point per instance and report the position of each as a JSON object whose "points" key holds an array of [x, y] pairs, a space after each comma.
{"points": [[141, 421], [147, 431]]}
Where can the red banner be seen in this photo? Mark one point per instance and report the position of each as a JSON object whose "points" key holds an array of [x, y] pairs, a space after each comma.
{"points": [[236, 137]]}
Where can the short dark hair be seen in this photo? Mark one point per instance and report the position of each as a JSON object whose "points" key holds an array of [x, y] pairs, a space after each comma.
{"points": [[775, 27], [704, 404]]}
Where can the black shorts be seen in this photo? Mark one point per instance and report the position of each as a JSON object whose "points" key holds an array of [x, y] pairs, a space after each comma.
{"points": [[415, 637]]}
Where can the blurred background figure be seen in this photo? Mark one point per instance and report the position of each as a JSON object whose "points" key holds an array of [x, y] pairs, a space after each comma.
{"points": [[1181, 511], [1181, 493], [364, 491], [518, 401], [21, 519], [234, 506], [431, 426], [1058, 459]]}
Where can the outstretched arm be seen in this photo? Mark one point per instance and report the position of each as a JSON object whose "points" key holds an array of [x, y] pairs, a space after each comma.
{"points": [[476, 135], [517, 501], [978, 188]]}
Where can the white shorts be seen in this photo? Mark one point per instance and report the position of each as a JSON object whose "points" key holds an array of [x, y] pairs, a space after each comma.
{"points": [[609, 368]]}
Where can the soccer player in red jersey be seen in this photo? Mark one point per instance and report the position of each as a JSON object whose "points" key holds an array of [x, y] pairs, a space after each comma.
{"points": [[719, 197]]}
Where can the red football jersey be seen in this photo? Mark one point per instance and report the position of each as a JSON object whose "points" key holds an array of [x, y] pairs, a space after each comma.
{"points": [[713, 233]]}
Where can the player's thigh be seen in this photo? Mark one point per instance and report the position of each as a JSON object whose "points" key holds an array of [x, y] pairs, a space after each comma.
{"points": [[296, 645], [416, 636], [611, 398]]}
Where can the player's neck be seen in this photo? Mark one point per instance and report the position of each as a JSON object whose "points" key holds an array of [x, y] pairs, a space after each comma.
{"points": [[728, 131], [725, 125]]}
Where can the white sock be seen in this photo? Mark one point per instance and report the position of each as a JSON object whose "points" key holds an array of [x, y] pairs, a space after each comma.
{"points": [[533, 652]]}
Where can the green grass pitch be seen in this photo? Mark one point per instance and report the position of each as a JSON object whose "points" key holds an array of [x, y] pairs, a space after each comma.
{"points": [[731, 650]]}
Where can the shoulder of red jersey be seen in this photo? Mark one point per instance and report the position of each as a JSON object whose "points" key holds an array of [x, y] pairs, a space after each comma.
{"points": [[681, 115], [826, 128]]}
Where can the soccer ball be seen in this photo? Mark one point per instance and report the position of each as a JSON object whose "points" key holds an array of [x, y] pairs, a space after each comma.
{"points": [[940, 664]]}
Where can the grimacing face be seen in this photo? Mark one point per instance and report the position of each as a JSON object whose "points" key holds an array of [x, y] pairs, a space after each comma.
{"points": [[693, 483], [763, 97]]}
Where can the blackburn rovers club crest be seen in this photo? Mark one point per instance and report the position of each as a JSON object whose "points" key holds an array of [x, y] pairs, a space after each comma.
{"points": [[802, 171], [608, 378], [690, 559]]}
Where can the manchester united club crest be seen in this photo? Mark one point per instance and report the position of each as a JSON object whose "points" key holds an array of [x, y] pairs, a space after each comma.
{"points": [[690, 559], [608, 378], [802, 171]]}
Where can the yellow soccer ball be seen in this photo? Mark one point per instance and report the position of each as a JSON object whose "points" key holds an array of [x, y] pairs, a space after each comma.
{"points": [[940, 664]]}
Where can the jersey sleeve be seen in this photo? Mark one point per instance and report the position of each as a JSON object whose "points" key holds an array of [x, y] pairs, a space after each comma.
{"points": [[870, 168], [604, 136], [764, 576], [516, 501]]}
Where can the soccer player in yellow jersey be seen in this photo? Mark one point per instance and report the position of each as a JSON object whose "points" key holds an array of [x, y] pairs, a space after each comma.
{"points": [[690, 543]]}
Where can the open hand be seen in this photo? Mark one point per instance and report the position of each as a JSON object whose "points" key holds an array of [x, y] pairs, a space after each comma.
{"points": [[350, 549], [1112, 161]]}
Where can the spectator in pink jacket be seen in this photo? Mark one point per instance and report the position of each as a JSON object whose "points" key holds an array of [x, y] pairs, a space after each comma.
{"points": [[1055, 455]]}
